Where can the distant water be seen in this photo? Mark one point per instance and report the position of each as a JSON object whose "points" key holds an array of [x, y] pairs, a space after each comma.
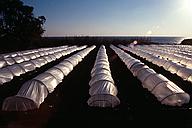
{"points": [[154, 39], [166, 40], [169, 40]]}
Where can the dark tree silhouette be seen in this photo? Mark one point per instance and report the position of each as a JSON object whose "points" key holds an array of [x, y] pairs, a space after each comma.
{"points": [[18, 25]]}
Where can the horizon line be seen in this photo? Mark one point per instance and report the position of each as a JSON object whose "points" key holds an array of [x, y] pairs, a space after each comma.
{"points": [[117, 36]]}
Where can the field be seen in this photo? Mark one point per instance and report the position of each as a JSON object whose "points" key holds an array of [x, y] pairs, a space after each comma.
{"points": [[67, 104]]}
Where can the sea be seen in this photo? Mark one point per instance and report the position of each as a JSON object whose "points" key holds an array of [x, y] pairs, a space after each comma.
{"points": [[155, 39]]}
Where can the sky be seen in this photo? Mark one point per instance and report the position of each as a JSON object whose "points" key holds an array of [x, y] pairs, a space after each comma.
{"points": [[115, 17]]}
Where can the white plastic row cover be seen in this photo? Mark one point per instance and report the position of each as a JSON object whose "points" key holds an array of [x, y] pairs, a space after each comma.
{"points": [[33, 92], [167, 55], [174, 49], [102, 87], [19, 58], [27, 52], [7, 73], [56, 52], [165, 91], [175, 68]]}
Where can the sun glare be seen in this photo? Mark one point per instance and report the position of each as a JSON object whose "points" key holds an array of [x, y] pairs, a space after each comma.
{"points": [[187, 6]]}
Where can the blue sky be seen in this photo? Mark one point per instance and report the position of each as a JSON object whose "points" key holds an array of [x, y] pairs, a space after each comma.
{"points": [[115, 17]]}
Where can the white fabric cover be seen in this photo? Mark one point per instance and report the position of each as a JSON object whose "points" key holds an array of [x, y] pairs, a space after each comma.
{"points": [[33, 90], [63, 68], [190, 79], [150, 58], [16, 69], [184, 73], [101, 77], [167, 65], [18, 59], [9, 61], [27, 66], [136, 67], [16, 103], [144, 73], [5, 75], [102, 62], [132, 62], [47, 58], [37, 62], [99, 67], [174, 68], [52, 56], [57, 73], [42, 61], [153, 80], [189, 64], [184, 61], [161, 62], [78, 57], [67, 64], [103, 71], [26, 57], [73, 61], [166, 91], [58, 55], [32, 56], [170, 94], [41, 53], [103, 87], [2, 63], [156, 61], [37, 54], [103, 100], [48, 80]]}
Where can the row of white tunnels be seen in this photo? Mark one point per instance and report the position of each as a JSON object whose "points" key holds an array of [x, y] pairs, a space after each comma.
{"points": [[103, 91]]}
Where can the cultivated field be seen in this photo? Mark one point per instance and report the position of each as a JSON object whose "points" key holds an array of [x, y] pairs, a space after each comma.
{"points": [[67, 103]]}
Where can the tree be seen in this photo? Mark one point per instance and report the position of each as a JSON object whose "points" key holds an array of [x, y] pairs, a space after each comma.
{"points": [[18, 25]]}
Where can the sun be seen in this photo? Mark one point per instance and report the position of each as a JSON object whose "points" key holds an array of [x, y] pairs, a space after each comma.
{"points": [[187, 6]]}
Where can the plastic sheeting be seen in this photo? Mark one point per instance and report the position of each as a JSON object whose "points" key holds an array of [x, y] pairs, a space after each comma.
{"points": [[184, 73], [102, 87], [33, 92], [173, 53], [182, 69], [9, 61], [57, 73], [103, 100], [2, 63], [101, 77], [17, 103], [48, 80], [5, 75], [144, 73], [19, 57], [136, 67], [174, 68], [28, 66], [153, 80], [16, 69], [164, 90], [170, 94], [65, 70], [21, 66], [30, 96]]}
